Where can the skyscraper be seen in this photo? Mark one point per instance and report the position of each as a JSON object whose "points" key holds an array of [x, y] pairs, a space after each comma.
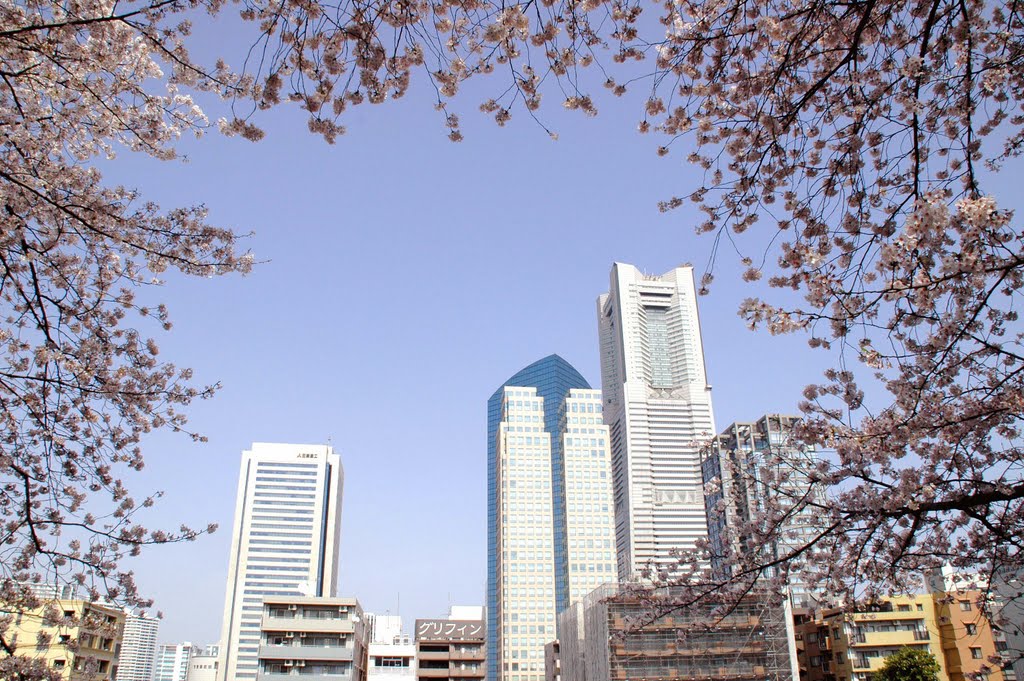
{"points": [[138, 648], [657, 404], [550, 523], [748, 468], [284, 542]]}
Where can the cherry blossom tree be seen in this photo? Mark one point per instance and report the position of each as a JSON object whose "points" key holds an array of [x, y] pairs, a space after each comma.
{"points": [[847, 147]]}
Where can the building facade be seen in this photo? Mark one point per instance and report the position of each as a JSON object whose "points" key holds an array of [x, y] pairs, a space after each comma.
{"points": [[588, 521], [285, 542], [842, 645], [600, 639], [746, 469], [77, 639], [450, 650], [657, 404], [392, 653], [312, 636], [173, 661], [203, 664], [553, 521], [139, 649], [525, 575]]}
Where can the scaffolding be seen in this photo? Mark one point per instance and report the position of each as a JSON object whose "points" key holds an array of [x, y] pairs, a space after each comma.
{"points": [[602, 640]]}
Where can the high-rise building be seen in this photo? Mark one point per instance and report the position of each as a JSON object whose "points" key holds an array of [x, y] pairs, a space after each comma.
{"points": [[748, 468], [551, 522], [284, 542], [138, 649], [588, 521], [173, 661], [657, 404]]}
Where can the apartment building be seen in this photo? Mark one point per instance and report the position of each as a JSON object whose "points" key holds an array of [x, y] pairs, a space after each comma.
{"points": [[77, 639], [838, 645], [312, 636], [450, 650]]}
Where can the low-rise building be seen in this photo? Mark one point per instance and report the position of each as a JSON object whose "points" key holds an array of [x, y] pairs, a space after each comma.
{"points": [[839, 645], [204, 663], [448, 649], [392, 653], [601, 639], [76, 638], [845, 645], [552, 662], [303, 636]]}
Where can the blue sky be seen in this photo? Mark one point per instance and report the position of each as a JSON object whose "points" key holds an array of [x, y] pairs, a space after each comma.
{"points": [[402, 279]]}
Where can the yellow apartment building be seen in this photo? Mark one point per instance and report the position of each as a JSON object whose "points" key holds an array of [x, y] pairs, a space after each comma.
{"points": [[836, 645], [81, 640]]}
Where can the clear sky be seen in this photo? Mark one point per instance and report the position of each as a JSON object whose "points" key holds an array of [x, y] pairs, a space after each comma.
{"points": [[403, 279]]}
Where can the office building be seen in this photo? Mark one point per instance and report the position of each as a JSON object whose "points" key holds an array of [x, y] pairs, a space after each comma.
{"points": [[657, 404], [588, 520], [552, 525], [746, 469], [203, 663], [284, 542], [450, 649], [552, 378], [173, 661], [81, 645], [139, 649], [748, 641], [314, 637]]}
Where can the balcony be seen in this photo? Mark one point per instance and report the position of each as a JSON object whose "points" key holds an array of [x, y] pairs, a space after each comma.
{"points": [[430, 673], [326, 626], [298, 673], [297, 651]]}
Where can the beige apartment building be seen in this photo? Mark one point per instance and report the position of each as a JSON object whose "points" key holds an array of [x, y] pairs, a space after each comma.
{"points": [[302, 636]]}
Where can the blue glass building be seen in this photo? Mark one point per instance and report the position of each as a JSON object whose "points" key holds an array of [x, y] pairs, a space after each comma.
{"points": [[553, 378]]}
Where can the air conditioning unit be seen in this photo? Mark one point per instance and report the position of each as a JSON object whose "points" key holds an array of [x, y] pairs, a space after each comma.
{"points": [[286, 663], [300, 663], [290, 634], [293, 606], [302, 634]]}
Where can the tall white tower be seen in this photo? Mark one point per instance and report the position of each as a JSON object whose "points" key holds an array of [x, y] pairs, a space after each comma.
{"points": [[657, 404], [138, 648], [284, 542]]}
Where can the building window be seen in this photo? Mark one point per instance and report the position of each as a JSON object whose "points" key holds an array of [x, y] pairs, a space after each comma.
{"points": [[975, 653], [972, 629], [965, 606]]}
